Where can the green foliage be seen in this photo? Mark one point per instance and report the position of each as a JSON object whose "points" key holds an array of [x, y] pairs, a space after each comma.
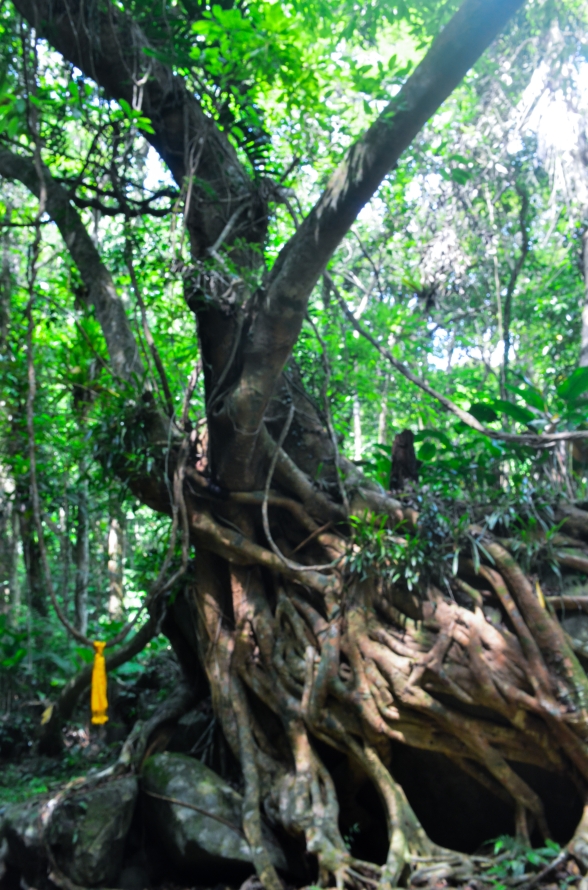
{"points": [[12, 646], [351, 834], [375, 549], [516, 859], [427, 270]]}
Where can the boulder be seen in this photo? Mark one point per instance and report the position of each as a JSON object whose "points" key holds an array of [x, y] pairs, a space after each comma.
{"points": [[21, 840], [87, 829], [209, 838]]}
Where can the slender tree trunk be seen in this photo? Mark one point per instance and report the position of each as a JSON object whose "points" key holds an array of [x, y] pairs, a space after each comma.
{"points": [[579, 450], [14, 580], [5, 549], [64, 551], [82, 556], [383, 415], [32, 561], [357, 435], [115, 577], [583, 363], [5, 288]]}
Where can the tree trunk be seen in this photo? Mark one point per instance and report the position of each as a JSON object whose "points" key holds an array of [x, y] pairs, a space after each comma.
{"points": [[322, 665], [32, 560], [115, 573], [357, 434], [6, 549], [303, 659], [82, 556], [383, 415], [583, 363], [14, 580]]}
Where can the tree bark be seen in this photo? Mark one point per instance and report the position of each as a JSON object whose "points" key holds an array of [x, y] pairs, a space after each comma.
{"points": [[115, 573], [15, 594], [583, 362], [32, 561], [82, 555]]}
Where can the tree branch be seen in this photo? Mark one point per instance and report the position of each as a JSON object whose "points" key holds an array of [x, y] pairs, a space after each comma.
{"points": [[109, 47], [120, 341], [537, 439], [282, 307]]}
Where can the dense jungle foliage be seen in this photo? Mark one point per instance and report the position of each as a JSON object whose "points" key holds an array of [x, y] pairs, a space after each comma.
{"points": [[467, 269]]}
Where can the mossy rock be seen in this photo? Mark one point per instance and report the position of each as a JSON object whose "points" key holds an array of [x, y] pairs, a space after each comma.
{"points": [[210, 838], [21, 839], [87, 830]]}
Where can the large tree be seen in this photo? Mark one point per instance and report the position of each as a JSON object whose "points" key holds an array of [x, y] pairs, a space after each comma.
{"points": [[302, 643]]}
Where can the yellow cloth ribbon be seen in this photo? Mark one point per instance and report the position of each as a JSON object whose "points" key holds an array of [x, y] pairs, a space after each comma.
{"points": [[98, 699], [540, 596]]}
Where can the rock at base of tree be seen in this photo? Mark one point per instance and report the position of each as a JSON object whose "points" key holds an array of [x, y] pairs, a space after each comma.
{"points": [[210, 837], [82, 832], [21, 840], [87, 829]]}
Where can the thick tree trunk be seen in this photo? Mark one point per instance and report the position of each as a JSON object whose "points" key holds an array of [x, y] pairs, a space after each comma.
{"points": [[306, 652], [299, 659]]}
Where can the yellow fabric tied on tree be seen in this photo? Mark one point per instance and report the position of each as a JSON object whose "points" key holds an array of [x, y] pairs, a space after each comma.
{"points": [[98, 699]]}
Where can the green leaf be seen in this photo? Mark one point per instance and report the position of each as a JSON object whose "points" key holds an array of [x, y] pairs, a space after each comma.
{"points": [[126, 108], [531, 396], [517, 412], [144, 123], [84, 654], [427, 451], [14, 659], [459, 175], [483, 412], [574, 385], [433, 434]]}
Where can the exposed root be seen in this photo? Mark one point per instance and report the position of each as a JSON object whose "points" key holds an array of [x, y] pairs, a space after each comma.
{"points": [[340, 663]]}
